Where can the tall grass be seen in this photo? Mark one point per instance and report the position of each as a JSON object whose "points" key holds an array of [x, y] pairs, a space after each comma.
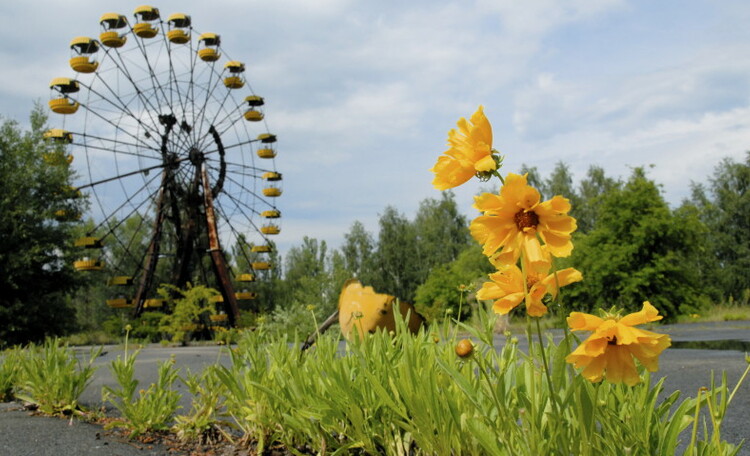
{"points": [[405, 394], [53, 378]]}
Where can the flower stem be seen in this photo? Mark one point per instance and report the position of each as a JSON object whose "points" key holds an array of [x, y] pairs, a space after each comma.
{"points": [[543, 350], [496, 173]]}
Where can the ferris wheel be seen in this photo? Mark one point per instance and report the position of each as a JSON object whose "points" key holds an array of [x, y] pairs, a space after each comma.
{"points": [[171, 146]]}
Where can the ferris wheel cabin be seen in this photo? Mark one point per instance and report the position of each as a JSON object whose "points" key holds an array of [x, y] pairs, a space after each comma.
{"points": [[82, 50], [179, 28], [61, 87], [59, 135], [208, 47], [112, 25], [246, 278], [235, 79], [252, 114], [271, 176], [261, 249], [146, 21]]}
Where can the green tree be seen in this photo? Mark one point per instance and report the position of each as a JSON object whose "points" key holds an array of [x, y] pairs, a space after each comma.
{"points": [[639, 251], [451, 284], [396, 264], [724, 206], [305, 273], [35, 248], [590, 191], [358, 251], [442, 232]]}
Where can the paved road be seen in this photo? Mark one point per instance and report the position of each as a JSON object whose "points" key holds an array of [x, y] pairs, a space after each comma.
{"points": [[686, 369]]}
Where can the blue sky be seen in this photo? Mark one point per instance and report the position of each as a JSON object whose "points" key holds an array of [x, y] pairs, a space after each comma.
{"points": [[362, 94]]}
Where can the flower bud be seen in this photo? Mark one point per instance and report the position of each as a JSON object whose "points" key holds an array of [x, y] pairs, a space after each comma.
{"points": [[464, 348]]}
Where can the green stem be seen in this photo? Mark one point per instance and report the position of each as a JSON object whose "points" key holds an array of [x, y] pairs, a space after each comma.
{"points": [[496, 173], [543, 350]]}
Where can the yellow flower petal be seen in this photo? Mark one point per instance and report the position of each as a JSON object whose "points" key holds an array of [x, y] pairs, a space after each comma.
{"points": [[579, 321], [610, 352], [646, 315], [470, 149]]}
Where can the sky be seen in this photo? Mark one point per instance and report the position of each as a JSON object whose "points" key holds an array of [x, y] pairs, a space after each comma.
{"points": [[362, 94]]}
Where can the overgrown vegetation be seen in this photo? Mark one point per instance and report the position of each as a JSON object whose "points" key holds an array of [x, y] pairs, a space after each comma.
{"points": [[39, 208], [403, 393], [52, 377]]}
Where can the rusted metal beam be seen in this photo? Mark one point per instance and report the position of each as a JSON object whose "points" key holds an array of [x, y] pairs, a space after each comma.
{"points": [[152, 255], [214, 249]]}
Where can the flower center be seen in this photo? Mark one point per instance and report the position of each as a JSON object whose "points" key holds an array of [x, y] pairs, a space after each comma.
{"points": [[526, 219], [613, 341], [532, 279]]}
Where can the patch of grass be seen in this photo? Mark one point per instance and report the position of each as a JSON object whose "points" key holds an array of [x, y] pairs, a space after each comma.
{"points": [[53, 378], [718, 312], [96, 337]]}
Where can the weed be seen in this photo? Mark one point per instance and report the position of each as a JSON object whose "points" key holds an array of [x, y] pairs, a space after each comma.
{"points": [[151, 409], [53, 378]]}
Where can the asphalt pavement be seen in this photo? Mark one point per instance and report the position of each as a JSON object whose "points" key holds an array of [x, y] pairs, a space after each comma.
{"points": [[685, 369]]}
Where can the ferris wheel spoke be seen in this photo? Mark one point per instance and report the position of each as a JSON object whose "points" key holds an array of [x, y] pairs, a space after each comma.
{"points": [[112, 149], [123, 175], [157, 88], [120, 105], [244, 188], [100, 116], [247, 168], [227, 218], [123, 68], [113, 213]]}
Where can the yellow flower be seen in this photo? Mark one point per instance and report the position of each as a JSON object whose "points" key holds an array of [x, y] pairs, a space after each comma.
{"points": [[470, 152], [513, 218], [507, 288], [609, 351]]}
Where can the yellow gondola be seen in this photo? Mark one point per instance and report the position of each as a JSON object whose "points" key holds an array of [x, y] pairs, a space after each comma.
{"points": [[120, 281], [111, 23], [234, 80], [87, 264], [254, 101], [57, 158], [89, 242], [177, 23], [266, 138], [253, 115], [120, 303], [271, 176], [219, 317], [261, 249], [273, 213], [153, 303], [246, 278], [71, 192], [272, 192], [63, 215], [59, 135], [147, 21], [261, 265], [270, 229], [208, 47], [245, 295], [83, 48], [62, 104], [216, 298], [266, 153]]}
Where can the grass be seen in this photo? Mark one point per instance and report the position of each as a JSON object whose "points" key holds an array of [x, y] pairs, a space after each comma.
{"points": [[718, 312], [405, 394]]}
